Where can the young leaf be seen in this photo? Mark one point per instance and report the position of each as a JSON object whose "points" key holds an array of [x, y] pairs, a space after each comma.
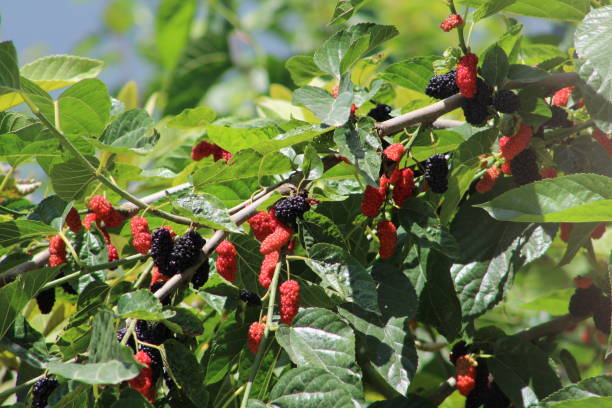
{"points": [[494, 65], [412, 73], [331, 111], [302, 69], [131, 131], [9, 69], [84, 108], [70, 179]]}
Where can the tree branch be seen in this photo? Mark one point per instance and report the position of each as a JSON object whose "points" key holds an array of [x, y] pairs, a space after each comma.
{"points": [[432, 112]]}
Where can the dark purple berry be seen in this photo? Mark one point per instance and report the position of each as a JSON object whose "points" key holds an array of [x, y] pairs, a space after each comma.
{"points": [[381, 112], [186, 252], [250, 298], [46, 300], [286, 210], [505, 101], [161, 248], [442, 86], [524, 167], [436, 173], [41, 391]]}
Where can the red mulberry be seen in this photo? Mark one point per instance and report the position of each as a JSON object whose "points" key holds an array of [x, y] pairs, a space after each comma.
{"points": [[289, 300], [141, 236], [466, 75], [488, 179], [104, 211], [466, 374], [89, 219], [548, 172], [262, 224], [206, 149], [266, 271], [599, 230], [255, 334], [57, 246], [227, 264], [143, 382], [226, 248], [139, 225], [565, 230], [277, 240], [373, 199], [404, 185], [113, 254], [561, 97], [452, 21], [394, 152], [73, 221], [510, 147], [387, 235]]}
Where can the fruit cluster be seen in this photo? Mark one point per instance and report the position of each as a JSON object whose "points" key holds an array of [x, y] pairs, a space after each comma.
{"points": [[172, 257]]}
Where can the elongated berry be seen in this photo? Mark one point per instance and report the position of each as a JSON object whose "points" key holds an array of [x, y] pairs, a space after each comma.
{"points": [[262, 224], [254, 336], [41, 391], [404, 186], [226, 248], [161, 248], [57, 246], [143, 382], [113, 254], [524, 167], [277, 240], [394, 152], [45, 300], [186, 251], [73, 221], [289, 300], [487, 182], [200, 277], [436, 173], [227, 266], [387, 235], [601, 315], [510, 147], [266, 271], [466, 374], [452, 21], [466, 75], [372, 200]]}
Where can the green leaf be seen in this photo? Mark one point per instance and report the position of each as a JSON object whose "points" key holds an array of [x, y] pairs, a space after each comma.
{"points": [[360, 147], [205, 209], [130, 398], [84, 108], [56, 71], [70, 179], [140, 304], [583, 155], [591, 39], [566, 10], [15, 295], [13, 232], [193, 118], [225, 349], [317, 228], [534, 110], [490, 7], [310, 387], [492, 252], [578, 237], [109, 372], [389, 346], [302, 69], [524, 74], [184, 322], [411, 73], [312, 165], [343, 273], [130, 132], [338, 54], [344, 10], [522, 371], [51, 211], [554, 303], [104, 345], [396, 295], [172, 26], [320, 338], [573, 198], [597, 386], [188, 373], [9, 68], [80, 396], [495, 65], [331, 111]]}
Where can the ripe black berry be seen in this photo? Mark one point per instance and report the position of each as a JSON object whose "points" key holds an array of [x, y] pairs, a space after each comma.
{"points": [[436, 173], [381, 112], [558, 119], [41, 391], [459, 349], [524, 167], [286, 210], [161, 248], [249, 297], [584, 301], [442, 86], [200, 277], [152, 335], [46, 300], [506, 101], [187, 250], [601, 315], [475, 113]]}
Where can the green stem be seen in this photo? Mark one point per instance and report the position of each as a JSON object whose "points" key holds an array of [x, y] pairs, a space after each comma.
{"points": [[89, 269], [264, 340], [16, 388], [232, 397], [6, 178], [94, 171], [143, 276], [464, 48]]}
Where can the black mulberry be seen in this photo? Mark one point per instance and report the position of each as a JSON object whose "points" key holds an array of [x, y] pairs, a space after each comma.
{"points": [[41, 391], [187, 250], [436, 173], [601, 315], [584, 301], [558, 119], [459, 349], [250, 298], [286, 210], [152, 335], [381, 112], [442, 86], [46, 300], [506, 101], [524, 168], [200, 277], [162, 245], [475, 113]]}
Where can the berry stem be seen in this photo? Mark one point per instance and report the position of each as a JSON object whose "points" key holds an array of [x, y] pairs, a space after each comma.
{"points": [[143, 276], [6, 178], [453, 10], [264, 340]]}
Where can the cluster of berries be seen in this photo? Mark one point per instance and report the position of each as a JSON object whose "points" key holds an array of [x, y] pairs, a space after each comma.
{"points": [[102, 211], [227, 264], [141, 235], [205, 149], [474, 380], [566, 229], [57, 256], [488, 179], [41, 391], [519, 160], [587, 300], [172, 257]]}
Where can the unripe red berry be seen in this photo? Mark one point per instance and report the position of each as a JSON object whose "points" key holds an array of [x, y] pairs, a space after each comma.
{"points": [[387, 235], [56, 260], [143, 382], [394, 152], [488, 179], [57, 246], [262, 224], [466, 375], [277, 240], [510, 147], [266, 271], [227, 264], [139, 225], [452, 21], [466, 75], [226, 248], [548, 172], [372, 201], [104, 211], [404, 185], [89, 219], [583, 282], [289, 300], [73, 221], [254, 336], [142, 243], [561, 97], [599, 230], [113, 254], [565, 230]]}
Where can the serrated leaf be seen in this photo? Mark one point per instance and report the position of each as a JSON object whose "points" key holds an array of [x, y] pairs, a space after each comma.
{"points": [[188, 373], [130, 132], [331, 111], [320, 338], [317, 228], [172, 26], [360, 148], [495, 65], [205, 209], [342, 273], [412, 73], [9, 68], [573, 198], [140, 304], [389, 346], [344, 10], [84, 108], [309, 387], [193, 118], [490, 7], [70, 179], [51, 211], [13, 232], [597, 386]]}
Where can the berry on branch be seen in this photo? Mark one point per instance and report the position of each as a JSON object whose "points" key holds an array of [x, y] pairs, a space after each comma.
{"points": [[73, 221], [404, 185], [254, 336], [487, 182], [161, 248], [372, 200], [288, 209], [466, 75], [186, 252], [289, 300], [277, 240], [524, 167], [466, 374], [266, 271], [381, 112], [394, 152], [262, 224], [442, 86], [227, 264], [41, 391], [505, 101], [387, 235], [436, 173], [452, 21]]}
